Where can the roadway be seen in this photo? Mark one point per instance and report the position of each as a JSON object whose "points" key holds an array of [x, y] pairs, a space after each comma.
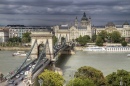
{"points": [[22, 75]]}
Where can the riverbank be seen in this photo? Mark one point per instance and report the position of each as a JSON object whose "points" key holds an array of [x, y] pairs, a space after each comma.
{"points": [[15, 48], [79, 48]]}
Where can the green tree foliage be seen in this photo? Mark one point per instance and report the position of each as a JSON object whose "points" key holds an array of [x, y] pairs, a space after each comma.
{"points": [[99, 41], [115, 78], [54, 40], [14, 39], [124, 43], [26, 37], [91, 73], [1, 77], [94, 38], [51, 78], [83, 40], [80, 82], [115, 37], [103, 35]]}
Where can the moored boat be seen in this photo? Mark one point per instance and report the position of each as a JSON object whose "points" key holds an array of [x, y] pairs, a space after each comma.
{"points": [[19, 53], [108, 49], [128, 55]]}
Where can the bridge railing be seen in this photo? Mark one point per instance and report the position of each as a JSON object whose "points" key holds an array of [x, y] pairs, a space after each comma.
{"points": [[11, 75]]}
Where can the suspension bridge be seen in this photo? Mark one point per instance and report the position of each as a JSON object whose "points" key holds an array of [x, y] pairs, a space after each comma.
{"points": [[41, 54]]}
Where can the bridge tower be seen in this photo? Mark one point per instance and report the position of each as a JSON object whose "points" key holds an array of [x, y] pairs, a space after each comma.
{"points": [[42, 38]]}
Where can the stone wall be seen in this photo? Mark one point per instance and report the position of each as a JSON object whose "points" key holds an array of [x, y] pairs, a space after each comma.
{"points": [[15, 48], [79, 48]]}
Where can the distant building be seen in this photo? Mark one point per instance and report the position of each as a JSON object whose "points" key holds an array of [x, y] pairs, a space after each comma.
{"points": [[4, 34], [18, 30], [110, 27], [74, 31]]}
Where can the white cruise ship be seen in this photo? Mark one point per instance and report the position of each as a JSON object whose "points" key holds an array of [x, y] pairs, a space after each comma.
{"points": [[108, 48], [96, 48]]}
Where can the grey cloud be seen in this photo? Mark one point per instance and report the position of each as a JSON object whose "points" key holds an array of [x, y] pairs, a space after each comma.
{"points": [[57, 11]]}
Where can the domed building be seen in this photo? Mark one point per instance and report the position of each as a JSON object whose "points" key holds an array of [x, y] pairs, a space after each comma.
{"points": [[74, 31], [124, 29]]}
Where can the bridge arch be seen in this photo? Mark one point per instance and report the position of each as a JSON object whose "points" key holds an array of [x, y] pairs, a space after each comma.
{"points": [[42, 38], [40, 48]]}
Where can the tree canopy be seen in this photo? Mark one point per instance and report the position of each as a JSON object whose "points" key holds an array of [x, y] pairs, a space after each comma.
{"points": [[51, 78], [15, 39], [83, 40], [26, 37], [103, 35], [115, 37], [54, 40], [99, 41], [91, 73], [94, 38], [124, 43], [116, 78], [80, 82]]}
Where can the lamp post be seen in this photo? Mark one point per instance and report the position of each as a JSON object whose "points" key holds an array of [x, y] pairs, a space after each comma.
{"points": [[40, 82], [121, 82]]}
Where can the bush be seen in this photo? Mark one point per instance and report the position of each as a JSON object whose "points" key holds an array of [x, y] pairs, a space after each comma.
{"points": [[124, 43]]}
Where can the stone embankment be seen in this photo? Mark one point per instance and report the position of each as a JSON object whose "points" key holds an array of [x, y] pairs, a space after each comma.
{"points": [[15, 48], [79, 48]]}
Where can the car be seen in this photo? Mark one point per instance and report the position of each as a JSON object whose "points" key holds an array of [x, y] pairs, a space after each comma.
{"points": [[22, 73], [33, 66], [22, 77], [11, 81], [17, 76], [30, 66]]}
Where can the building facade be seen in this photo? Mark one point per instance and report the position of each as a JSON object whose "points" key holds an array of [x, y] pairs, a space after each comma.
{"points": [[110, 27], [71, 32], [4, 34], [18, 30]]}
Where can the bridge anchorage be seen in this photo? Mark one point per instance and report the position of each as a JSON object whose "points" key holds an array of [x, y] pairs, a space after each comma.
{"points": [[41, 54]]}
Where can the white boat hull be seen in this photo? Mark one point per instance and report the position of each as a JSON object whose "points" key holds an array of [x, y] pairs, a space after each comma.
{"points": [[108, 49]]}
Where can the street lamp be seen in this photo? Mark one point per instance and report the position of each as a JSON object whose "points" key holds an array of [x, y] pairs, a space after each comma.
{"points": [[121, 82], [40, 82]]}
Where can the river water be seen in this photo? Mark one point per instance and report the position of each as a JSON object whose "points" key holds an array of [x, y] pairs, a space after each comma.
{"points": [[106, 62], [8, 62]]}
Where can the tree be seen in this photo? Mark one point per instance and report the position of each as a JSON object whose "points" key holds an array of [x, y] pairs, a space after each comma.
{"points": [[83, 40], [54, 40], [91, 73], [121, 76], [81, 82], [124, 43], [15, 39], [94, 38], [51, 78], [115, 37], [26, 37], [1, 77], [103, 35], [99, 41]]}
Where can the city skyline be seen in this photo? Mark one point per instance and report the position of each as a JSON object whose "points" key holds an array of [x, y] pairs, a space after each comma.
{"points": [[53, 12]]}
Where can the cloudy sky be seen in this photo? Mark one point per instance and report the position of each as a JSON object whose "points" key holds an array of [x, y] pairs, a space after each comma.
{"points": [[52, 12]]}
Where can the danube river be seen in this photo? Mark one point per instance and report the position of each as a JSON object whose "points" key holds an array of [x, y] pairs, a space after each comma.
{"points": [[106, 62]]}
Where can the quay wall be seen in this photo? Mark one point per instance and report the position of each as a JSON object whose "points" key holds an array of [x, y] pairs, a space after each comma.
{"points": [[15, 48], [79, 47]]}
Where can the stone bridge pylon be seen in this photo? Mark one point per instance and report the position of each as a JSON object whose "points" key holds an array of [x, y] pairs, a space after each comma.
{"points": [[42, 38]]}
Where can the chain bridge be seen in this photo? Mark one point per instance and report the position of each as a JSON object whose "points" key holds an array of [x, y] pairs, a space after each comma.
{"points": [[41, 54]]}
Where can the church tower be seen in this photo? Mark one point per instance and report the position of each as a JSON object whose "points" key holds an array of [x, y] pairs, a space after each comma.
{"points": [[84, 20], [86, 23], [76, 22]]}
